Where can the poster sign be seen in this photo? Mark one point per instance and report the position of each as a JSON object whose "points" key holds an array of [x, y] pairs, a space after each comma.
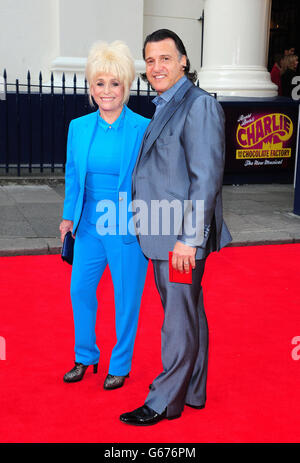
{"points": [[260, 138], [263, 139]]}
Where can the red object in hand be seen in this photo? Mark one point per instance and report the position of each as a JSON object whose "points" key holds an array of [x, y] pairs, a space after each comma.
{"points": [[177, 277]]}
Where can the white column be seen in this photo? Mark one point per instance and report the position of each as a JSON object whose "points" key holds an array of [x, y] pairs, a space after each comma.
{"points": [[28, 38], [181, 17], [236, 38], [107, 21], [2, 94]]}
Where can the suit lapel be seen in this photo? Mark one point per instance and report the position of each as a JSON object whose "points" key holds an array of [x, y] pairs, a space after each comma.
{"points": [[163, 117]]}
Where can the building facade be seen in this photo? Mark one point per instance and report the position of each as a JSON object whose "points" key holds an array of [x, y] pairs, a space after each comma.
{"points": [[226, 40]]}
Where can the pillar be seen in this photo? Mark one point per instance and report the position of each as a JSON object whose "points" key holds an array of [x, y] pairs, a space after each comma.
{"points": [[2, 93], [79, 29], [235, 48]]}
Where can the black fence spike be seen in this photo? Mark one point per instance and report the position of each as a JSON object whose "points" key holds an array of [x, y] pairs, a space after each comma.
{"points": [[29, 121], [18, 142], [52, 83], [75, 84], [28, 82], [40, 82]]}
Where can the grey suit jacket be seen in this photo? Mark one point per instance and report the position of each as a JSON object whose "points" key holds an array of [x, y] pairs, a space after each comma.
{"points": [[182, 158]]}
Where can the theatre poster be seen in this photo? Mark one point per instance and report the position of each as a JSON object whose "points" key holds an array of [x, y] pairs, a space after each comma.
{"points": [[261, 139]]}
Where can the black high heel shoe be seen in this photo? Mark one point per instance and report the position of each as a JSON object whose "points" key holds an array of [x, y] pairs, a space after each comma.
{"points": [[77, 372], [114, 382]]}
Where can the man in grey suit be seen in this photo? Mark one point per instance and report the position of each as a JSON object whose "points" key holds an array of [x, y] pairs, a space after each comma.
{"points": [[181, 158]]}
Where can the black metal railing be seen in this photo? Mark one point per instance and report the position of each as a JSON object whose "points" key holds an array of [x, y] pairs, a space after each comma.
{"points": [[34, 121]]}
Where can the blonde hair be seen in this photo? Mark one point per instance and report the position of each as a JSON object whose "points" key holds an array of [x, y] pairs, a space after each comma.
{"points": [[288, 61], [114, 58]]}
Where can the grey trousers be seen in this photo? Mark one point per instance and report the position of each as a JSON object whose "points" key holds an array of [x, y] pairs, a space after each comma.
{"points": [[184, 343]]}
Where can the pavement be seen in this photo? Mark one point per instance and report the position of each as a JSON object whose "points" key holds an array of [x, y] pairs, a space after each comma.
{"points": [[31, 210]]}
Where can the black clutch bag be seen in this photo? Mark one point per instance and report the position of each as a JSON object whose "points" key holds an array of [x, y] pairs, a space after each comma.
{"points": [[68, 248]]}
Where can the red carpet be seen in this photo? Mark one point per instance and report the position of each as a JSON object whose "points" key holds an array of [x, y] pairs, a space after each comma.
{"points": [[253, 308]]}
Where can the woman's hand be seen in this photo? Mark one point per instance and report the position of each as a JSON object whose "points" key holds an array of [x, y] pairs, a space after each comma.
{"points": [[65, 226]]}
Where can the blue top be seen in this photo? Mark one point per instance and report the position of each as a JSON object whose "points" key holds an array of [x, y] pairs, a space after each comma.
{"points": [[104, 153], [103, 167]]}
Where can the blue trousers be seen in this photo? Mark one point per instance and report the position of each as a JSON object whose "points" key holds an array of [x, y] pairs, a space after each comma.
{"points": [[128, 267]]}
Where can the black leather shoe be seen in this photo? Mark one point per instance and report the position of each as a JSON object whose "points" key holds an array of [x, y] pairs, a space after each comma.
{"points": [[77, 372], [144, 416], [199, 407], [113, 382]]}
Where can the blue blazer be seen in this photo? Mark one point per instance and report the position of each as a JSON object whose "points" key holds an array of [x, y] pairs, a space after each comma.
{"points": [[80, 136]]}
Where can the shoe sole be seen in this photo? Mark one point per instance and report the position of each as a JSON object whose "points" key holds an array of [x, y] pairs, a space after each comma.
{"points": [[152, 424], [72, 380], [113, 388]]}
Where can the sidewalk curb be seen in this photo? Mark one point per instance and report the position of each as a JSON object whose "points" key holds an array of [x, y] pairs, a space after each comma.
{"points": [[263, 243], [31, 246], [48, 249], [32, 180]]}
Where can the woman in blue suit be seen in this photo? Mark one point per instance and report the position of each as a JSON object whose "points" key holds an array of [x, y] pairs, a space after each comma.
{"points": [[101, 153]]}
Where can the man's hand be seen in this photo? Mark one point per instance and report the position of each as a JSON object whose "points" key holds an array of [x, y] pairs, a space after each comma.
{"points": [[65, 226], [183, 257]]}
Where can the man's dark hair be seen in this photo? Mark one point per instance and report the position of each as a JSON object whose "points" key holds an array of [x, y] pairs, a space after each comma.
{"points": [[162, 34]]}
